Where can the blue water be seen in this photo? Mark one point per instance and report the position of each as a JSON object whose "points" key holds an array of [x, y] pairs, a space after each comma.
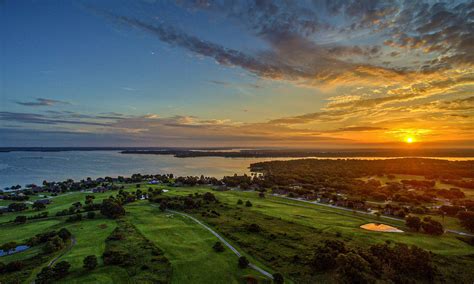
{"points": [[17, 249], [34, 167]]}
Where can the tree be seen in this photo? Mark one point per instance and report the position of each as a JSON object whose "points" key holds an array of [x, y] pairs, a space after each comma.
{"points": [[352, 268], [15, 265], [46, 275], [254, 228], [54, 244], [20, 219], [38, 206], [243, 262], [90, 215], [467, 219], [8, 247], [61, 269], [248, 203], [413, 222], [432, 227], [112, 209], [90, 262], [50, 274], [17, 207], [278, 278], [64, 234], [218, 247], [240, 202]]}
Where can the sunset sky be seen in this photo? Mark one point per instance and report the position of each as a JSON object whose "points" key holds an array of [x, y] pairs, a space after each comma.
{"points": [[312, 74]]}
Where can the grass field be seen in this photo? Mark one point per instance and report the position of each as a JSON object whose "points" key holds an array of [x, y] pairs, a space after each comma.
{"points": [[289, 227], [187, 245], [438, 185], [334, 221]]}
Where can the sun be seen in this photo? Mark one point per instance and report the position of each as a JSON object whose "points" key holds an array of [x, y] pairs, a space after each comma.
{"points": [[409, 140]]}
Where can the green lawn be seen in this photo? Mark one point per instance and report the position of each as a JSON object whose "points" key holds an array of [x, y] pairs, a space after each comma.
{"points": [[289, 227], [187, 245], [438, 185], [333, 220]]}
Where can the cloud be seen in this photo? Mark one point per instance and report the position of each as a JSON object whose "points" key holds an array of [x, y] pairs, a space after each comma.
{"points": [[34, 118], [43, 102], [358, 129]]}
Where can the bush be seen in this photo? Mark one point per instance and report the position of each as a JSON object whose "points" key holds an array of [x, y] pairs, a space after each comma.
{"points": [[61, 269], [90, 262], [352, 268], [111, 209], [90, 215], [240, 202], [64, 234], [113, 257], [467, 220], [20, 220], [50, 274], [278, 278], [432, 227], [54, 244], [254, 228], [14, 266], [413, 222], [243, 262], [248, 203], [218, 247], [74, 218]]}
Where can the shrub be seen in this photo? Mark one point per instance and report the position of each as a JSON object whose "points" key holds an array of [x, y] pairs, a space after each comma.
{"points": [[20, 220], [248, 203], [432, 227], [90, 215], [467, 220], [413, 222], [218, 247], [111, 209], [254, 228], [240, 202], [90, 262], [54, 244], [14, 266], [64, 234], [278, 278], [243, 262]]}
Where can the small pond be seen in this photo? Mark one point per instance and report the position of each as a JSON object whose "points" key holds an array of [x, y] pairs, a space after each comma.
{"points": [[18, 249]]}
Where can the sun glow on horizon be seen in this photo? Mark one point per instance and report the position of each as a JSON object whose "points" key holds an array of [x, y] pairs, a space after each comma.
{"points": [[409, 140]]}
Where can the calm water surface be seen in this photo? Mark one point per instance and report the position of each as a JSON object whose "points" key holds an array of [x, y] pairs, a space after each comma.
{"points": [[34, 167]]}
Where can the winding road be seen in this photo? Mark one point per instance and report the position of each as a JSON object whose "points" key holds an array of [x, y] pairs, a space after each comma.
{"points": [[233, 249], [73, 243]]}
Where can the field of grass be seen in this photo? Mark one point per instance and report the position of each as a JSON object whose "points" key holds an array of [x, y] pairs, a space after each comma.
{"points": [[335, 221], [187, 245], [438, 185], [290, 229]]}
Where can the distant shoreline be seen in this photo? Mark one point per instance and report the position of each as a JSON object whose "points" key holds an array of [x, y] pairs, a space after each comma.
{"points": [[234, 152]]}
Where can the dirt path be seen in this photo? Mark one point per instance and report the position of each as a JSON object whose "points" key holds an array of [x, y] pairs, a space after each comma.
{"points": [[233, 249], [53, 261]]}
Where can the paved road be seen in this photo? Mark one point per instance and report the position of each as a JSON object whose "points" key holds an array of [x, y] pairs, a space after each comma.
{"points": [[234, 250], [73, 243], [366, 213]]}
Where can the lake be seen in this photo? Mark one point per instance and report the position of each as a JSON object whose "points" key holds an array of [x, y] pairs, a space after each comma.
{"points": [[34, 167]]}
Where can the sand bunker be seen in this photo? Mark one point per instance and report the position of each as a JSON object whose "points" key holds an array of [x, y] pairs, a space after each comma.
{"points": [[381, 228]]}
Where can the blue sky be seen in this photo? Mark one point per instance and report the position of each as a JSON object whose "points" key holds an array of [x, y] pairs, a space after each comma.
{"points": [[254, 73]]}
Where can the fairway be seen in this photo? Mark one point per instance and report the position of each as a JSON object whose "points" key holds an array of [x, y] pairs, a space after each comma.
{"points": [[336, 221], [188, 246]]}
